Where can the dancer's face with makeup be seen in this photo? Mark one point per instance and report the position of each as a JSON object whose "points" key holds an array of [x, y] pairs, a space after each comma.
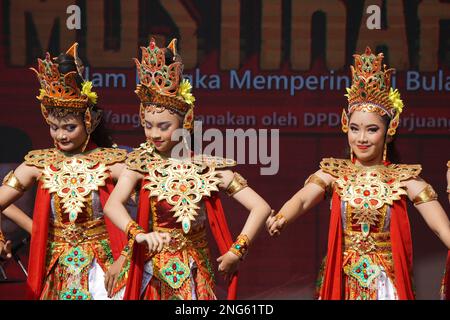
{"points": [[366, 136], [160, 124], [68, 132]]}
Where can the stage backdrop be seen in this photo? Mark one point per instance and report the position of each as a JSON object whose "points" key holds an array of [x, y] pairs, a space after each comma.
{"points": [[254, 65]]}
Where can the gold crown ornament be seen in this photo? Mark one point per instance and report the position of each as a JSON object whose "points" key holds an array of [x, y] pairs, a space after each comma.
{"points": [[162, 84], [371, 90], [61, 91]]}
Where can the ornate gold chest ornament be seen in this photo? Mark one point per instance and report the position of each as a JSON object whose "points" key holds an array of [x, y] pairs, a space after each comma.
{"points": [[182, 183], [73, 181], [368, 189], [74, 178]]}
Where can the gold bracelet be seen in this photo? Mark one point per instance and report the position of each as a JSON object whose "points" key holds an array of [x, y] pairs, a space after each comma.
{"points": [[11, 180], [237, 184], [240, 246], [2, 237], [126, 252], [426, 195], [132, 230]]}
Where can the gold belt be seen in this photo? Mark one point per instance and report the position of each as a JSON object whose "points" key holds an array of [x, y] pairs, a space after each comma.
{"points": [[379, 242], [179, 240], [77, 233]]}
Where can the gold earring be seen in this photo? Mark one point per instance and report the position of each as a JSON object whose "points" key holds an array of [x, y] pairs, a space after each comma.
{"points": [[86, 143], [385, 152], [352, 158]]}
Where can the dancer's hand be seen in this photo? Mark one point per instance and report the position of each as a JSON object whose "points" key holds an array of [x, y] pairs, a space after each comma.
{"points": [[275, 223], [228, 264], [155, 240], [112, 274], [5, 249]]}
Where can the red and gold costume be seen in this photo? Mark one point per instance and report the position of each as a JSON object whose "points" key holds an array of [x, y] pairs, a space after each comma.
{"points": [[445, 288], [72, 243], [177, 196], [369, 253]]}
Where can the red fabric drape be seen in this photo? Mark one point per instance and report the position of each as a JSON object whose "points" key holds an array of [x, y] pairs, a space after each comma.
{"points": [[332, 278], [219, 229], [402, 252], [134, 283], [446, 280], [38, 244], [222, 235]]}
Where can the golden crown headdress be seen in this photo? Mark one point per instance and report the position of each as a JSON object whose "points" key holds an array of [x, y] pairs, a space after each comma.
{"points": [[371, 90], [162, 84], [62, 91]]}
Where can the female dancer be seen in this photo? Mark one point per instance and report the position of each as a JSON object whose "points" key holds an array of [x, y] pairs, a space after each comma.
{"points": [[72, 245], [178, 194], [369, 242], [445, 289]]}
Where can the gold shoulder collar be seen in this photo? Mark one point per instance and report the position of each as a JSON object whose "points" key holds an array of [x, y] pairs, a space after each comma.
{"points": [[140, 159], [45, 157], [210, 161], [107, 156], [404, 171], [336, 167], [42, 158]]}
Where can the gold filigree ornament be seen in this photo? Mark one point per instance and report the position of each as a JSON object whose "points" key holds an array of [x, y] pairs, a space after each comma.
{"points": [[182, 184], [73, 179], [367, 192], [368, 189]]}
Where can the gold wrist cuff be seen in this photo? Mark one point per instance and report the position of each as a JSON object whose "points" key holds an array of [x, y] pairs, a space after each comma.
{"points": [[240, 246], [11, 180], [317, 181], [132, 230], [237, 184], [2, 237], [426, 195], [126, 252]]}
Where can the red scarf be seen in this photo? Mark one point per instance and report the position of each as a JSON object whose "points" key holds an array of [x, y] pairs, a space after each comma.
{"points": [[446, 280], [219, 229], [401, 252], [38, 244]]}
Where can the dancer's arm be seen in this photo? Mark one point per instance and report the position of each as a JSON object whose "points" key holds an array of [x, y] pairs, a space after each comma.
{"points": [[305, 199], [425, 200], [258, 209]]}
